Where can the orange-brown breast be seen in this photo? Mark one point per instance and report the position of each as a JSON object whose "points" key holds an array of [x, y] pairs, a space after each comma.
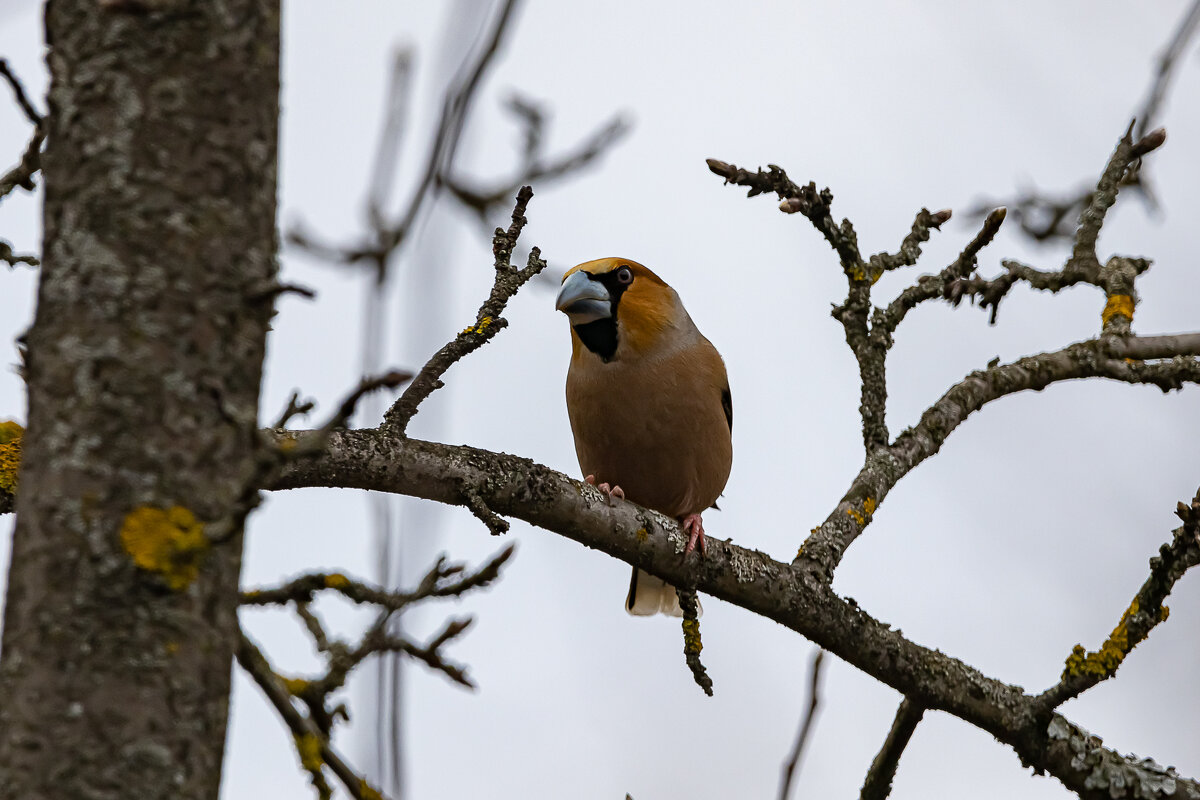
{"points": [[653, 424]]}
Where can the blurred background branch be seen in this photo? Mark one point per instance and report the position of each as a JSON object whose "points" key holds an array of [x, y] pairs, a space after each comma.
{"points": [[1049, 216]]}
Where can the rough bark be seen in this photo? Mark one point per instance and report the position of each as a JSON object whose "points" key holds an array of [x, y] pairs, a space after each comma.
{"points": [[143, 375], [794, 595]]}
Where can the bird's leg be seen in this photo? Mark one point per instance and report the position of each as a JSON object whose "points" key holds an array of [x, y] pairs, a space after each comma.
{"points": [[609, 492], [694, 528]]}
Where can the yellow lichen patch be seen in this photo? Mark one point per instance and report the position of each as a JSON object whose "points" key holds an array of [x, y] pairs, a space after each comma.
{"points": [[368, 791], [1104, 662], [1163, 613], [308, 747], [296, 686], [336, 580], [642, 535], [171, 648], [10, 431], [10, 455], [691, 637], [287, 444], [480, 328], [864, 516], [169, 543], [1117, 304]]}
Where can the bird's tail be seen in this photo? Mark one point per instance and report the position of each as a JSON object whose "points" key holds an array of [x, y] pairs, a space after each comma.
{"points": [[649, 595]]}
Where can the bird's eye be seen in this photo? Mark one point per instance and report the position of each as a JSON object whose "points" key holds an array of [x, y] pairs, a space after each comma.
{"points": [[624, 275]]}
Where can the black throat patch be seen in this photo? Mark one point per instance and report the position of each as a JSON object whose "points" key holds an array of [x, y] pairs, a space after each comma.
{"points": [[600, 336]]}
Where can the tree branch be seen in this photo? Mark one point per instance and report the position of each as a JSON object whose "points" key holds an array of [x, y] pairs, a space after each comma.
{"points": [[1083, 669], [796, 596], [814, 701], [386, 238], [692, 644], [312, 745], [1093, 358], [488, 321], [1043, 217], [31, 161], [19, 95], [878, 784]]}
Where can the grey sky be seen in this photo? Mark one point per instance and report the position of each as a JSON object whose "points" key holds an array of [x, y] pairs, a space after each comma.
{"points": [[1028, 533]]}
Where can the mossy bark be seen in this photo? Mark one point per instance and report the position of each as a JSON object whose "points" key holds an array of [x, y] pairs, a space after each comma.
{"points": [[143, 372]]}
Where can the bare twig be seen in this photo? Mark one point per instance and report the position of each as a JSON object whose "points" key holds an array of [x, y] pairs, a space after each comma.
{"points": [[31, 161], [878, 784], [1083, 669], [1044, 217], [19, 93], [494, 522], [312, 745], [295, 408], [388, 238], [388, 380], [929, 287], [387, 153], [442, 580], [805, 200], [488, 321], [535, 167], [910, 248], [1166, 68], [692, 645], [1083, 266], [13, 259], [814, 700]]}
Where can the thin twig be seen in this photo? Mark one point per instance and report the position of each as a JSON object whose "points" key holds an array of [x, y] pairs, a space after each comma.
{"points": [[929, 287], [878, 784], [488, 321], [1166, 68], [692, 645], [1083, 669], [1045, 217], [19, 93], [814, 700], [388, 238], [13, 259], [310, 740], [31, 161], [441, 580], [805, 200], [535, 167]]}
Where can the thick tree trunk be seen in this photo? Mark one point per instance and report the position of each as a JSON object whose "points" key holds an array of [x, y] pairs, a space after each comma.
{"points": [[143, 371]]}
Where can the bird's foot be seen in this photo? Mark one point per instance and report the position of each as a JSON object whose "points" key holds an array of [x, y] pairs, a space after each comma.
{"points": [[608, 491], [694, 528]]}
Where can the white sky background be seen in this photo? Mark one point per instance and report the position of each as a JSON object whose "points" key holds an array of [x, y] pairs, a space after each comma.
{"points": [[1029, 532]]}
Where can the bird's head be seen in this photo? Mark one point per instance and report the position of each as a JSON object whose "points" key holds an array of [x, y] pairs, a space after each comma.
{"points": [[618, 308]]}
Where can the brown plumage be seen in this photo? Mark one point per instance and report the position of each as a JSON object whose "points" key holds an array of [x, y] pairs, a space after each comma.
{"points": [[649, 402]]}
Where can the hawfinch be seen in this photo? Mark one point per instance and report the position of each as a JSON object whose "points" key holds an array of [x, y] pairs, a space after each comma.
{"points": [[649, 403]]}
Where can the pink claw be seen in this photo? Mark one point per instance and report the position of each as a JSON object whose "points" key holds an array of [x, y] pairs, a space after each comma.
{"points": [[694, 528], [609, 492]]}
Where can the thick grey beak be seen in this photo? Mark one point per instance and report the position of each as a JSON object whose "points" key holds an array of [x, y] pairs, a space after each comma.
{"points": [[583, 300]]}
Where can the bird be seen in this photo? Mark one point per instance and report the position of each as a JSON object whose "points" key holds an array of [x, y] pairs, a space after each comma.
{"points": [[649, 403]]}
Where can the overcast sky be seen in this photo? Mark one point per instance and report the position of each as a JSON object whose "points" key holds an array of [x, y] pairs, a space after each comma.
{"points": [[1028, 533]]}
